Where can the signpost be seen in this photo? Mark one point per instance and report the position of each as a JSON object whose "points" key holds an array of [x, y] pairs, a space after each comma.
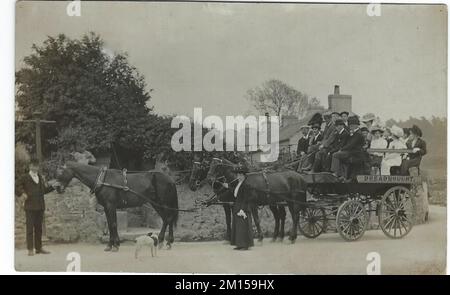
{"points": [[38, 123]]}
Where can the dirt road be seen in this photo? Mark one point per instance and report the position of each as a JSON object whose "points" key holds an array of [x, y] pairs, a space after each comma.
{"points": [[422, 251]]}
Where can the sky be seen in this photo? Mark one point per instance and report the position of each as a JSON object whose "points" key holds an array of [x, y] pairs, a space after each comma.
{"points": [[208, 55]]}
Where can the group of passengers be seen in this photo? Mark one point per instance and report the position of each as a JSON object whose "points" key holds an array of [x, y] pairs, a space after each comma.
{"points": [[339, 142]]}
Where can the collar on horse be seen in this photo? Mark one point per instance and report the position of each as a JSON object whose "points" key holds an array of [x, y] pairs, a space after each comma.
{"points": [[100, 181]]}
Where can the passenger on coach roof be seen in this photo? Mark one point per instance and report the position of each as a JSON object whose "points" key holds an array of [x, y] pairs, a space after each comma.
{"points": [[378, 142], [391, 162], [419, 147]]}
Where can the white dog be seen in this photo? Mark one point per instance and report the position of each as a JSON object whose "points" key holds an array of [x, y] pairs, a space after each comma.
{"points": [[150, 240]]}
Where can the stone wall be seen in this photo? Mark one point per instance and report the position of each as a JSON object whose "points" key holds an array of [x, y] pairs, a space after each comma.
{"points": [[72, 216]]}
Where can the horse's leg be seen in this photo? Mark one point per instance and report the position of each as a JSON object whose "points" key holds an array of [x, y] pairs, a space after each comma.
{"points": [[227, 209], [170, 239], [282, 217], [294, 209], [162, 233], [109, 223], [114, 242], [276, 216], [254, 210]]}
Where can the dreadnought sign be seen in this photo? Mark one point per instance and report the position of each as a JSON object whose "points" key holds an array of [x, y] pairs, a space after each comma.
{"points": [[386, 179]]}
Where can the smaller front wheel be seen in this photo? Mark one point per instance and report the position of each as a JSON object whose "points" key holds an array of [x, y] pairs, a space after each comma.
{"points": [[351, 220], [312, 222]]}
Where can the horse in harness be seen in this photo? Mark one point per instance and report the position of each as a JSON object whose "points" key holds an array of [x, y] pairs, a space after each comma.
{"points": [[272, 188], [114, 189]]}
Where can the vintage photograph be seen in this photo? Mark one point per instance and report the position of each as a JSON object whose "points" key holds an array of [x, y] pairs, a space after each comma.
{"points": [[230, 138]]}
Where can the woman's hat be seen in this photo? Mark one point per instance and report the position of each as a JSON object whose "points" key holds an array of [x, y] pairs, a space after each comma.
{"points": [[396, 131], [316, 119], [353, 120], [416, 130], [344, 112], [335, 113], [364, 128], [368, 117]]}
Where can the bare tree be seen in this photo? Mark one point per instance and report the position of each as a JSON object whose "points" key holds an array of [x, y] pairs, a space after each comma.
{"points": [[276, 97]]}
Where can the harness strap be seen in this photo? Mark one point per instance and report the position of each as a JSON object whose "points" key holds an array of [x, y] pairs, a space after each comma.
{"points": [[124, 174], [267, 183]]}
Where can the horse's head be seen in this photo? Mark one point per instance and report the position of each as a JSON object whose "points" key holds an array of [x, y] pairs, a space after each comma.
{"points": [[198, 175], [220, 171], [64, 175]]}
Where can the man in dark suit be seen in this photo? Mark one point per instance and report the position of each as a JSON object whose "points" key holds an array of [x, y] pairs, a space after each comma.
{"points": [[323, 157], [303, 142], [35, 188], [419, 147], [329, 136], [353, 149]]}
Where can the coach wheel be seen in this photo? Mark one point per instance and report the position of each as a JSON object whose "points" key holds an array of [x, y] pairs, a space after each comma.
{"points": [[312, 222], [396, 212], [351, 220]]}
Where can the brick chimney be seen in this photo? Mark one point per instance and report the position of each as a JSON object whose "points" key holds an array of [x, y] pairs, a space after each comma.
{"points": [[338, 102]]}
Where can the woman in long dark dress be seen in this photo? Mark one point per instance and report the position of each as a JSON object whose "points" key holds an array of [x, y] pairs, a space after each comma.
{"points": [[242, 228]]}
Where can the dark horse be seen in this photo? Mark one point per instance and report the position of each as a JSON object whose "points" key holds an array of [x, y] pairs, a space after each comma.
{"points": [[266, 188], [198, 179], [112, 193]]}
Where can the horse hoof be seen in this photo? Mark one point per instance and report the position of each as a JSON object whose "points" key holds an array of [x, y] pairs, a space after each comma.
{"points": [[115, 249], [160, 245], [293, 241], [107, 249], [168, 246]]}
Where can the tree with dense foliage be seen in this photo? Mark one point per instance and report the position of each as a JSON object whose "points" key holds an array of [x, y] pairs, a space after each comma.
{"points": [[93, 97]]}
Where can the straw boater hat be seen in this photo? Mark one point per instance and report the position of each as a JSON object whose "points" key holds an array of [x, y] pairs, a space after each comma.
{"points": [[344, 112], [304, 127], [368, 117], [396, 131], [416, 130]]}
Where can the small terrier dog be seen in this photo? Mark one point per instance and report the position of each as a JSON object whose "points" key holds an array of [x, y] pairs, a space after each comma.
{"points": [[150, 240]]}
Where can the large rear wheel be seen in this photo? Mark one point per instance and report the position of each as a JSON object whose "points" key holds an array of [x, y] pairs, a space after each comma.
{"points": [[396, 212]]}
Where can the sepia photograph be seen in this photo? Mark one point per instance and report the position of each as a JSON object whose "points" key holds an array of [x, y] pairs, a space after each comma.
{"points": [[230, 138]]}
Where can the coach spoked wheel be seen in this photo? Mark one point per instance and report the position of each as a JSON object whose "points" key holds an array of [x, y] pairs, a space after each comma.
{"points": [[312, 222], [396, 212], [351, 220]]}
